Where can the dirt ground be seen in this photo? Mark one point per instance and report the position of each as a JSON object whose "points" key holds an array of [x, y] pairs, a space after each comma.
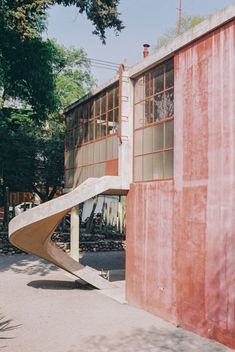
{"points": [[49, 312]]}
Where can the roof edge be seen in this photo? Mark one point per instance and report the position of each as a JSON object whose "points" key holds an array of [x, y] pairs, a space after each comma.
{"points": [[212, 22]]}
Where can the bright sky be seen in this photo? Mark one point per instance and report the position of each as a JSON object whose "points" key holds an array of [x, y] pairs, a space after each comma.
{"points": [[144, 20]]}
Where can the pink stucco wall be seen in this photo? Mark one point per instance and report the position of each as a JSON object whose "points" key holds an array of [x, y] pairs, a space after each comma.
{"points": [[181, 233]]}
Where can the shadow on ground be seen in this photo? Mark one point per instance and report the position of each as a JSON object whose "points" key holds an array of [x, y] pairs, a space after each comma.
{"points": [[5, 327], [59, 285], [26, 264], [152, 340]]}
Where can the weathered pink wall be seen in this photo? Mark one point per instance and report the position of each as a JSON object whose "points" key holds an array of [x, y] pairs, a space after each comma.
{"points": [[181, 233]]}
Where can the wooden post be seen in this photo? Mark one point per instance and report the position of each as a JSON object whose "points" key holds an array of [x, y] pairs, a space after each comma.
{"points": [[74, 233]]}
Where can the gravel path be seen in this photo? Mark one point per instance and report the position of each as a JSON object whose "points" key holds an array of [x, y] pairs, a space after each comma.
{"points": [[50, 313]]}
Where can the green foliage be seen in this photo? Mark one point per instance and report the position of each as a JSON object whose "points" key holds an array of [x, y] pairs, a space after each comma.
{"points": [[23, 16], [32, 154], [31, 159], [29, 65], [17, 146], [28, 72], [43, 77], [188, 22], [74, 79]]}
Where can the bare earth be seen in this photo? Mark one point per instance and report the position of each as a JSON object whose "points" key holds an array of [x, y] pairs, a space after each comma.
{"points": [[51, 313]]}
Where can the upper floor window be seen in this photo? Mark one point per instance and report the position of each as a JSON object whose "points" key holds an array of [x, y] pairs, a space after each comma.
{"points": [[154, 124], [94, 119]]}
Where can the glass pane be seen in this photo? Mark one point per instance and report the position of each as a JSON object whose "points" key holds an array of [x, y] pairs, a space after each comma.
{"points": [[168, 172], [138, 143], [77, 177], [85, 154], [110, 123], [138, 168], [95, 170], [116, 97], [151, 80], [158, 137], [110, 99], [84, 173], [146, 84], [116, 116], [170, 74], [85, 131], [148, 140], [169, 134], [146, 112], [78, 157], [103, 125], [97, 106], [97, 128], [139, 90], [151, 110], [79, 136], [139, 115], [170, 103], [90, 154], [148, 167], [103, 130], [116, 120], [159, 112], [103, 104], [157, 166], [115, 147], [103, 150], [68, 178], [158, 79], [110, 148], [96, 152], [110, 116], [91, 130], [102, 170], [92, 109], [66, 160], [89, 171]]}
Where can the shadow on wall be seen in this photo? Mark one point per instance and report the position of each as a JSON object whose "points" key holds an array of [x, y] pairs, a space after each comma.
{"points": [[152, 340], [26, 264]]}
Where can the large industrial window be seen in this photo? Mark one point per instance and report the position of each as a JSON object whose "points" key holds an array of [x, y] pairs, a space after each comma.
{"points": [[154, 124], [91, 136]]}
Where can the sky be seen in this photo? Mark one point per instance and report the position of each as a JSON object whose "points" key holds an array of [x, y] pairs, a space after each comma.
{"points": [[144, 20]]}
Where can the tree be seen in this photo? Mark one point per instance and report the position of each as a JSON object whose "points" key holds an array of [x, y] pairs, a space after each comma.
{"points": [[28, 73], [74, 79], [27, 62], [188, 22], [32, 155], [23, 16]]}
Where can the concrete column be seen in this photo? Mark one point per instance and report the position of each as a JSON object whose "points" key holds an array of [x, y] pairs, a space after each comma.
{"points": [[74, 233]]}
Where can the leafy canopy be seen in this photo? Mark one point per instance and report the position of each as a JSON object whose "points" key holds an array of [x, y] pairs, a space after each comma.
{"points": [[22, 16], [32, 155], [29, 64]]}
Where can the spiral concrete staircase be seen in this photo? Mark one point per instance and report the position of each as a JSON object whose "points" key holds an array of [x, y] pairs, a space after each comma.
{"points": [[32, 230]]}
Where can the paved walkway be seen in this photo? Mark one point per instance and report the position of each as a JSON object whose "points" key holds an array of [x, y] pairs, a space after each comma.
{"points": [[49, 313]]}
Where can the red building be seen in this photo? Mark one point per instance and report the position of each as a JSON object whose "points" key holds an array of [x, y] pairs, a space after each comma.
{"points": [[163, 133], [167, 127]]}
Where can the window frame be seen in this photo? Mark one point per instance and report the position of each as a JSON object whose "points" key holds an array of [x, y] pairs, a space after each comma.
{"points": [[151, 123]]}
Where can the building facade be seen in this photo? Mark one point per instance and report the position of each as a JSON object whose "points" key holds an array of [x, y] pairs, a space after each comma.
{"points": [[167, 127]]}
